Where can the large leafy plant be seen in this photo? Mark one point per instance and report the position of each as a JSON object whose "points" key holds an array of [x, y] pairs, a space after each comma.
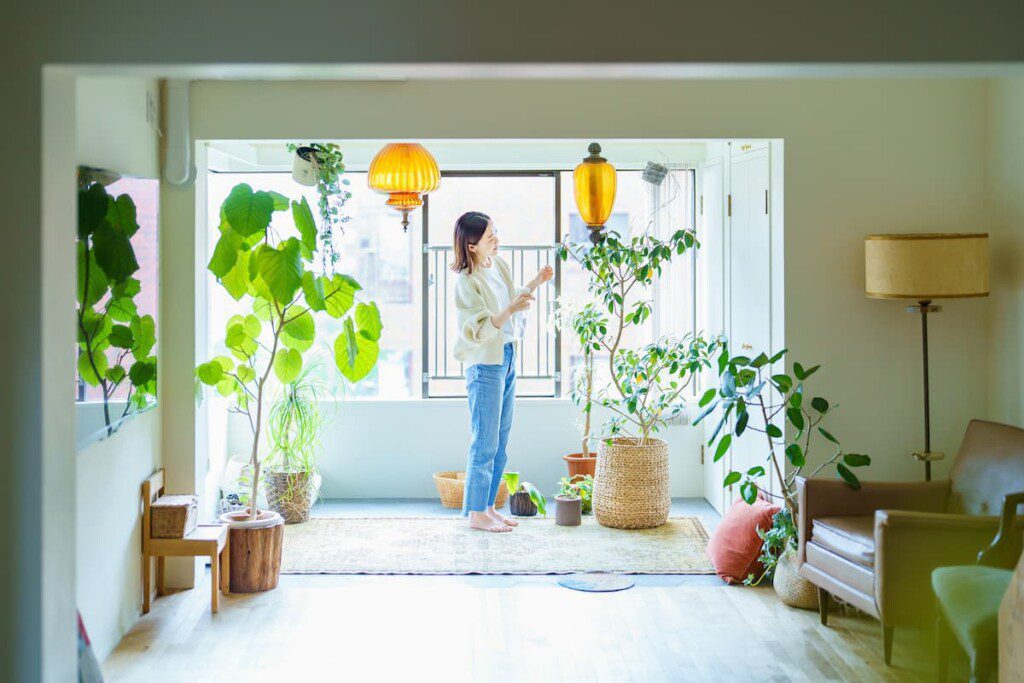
{"points": [[751, 397], [330, 167], [647, 383], [268, 268], [115, 343]]}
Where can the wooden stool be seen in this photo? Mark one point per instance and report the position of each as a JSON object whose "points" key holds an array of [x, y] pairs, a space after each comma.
{"points": [[206, 540]]}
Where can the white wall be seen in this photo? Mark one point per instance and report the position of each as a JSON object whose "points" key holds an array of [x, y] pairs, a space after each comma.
{"points": [[1006, 198], [862, 156], [112, 133]]}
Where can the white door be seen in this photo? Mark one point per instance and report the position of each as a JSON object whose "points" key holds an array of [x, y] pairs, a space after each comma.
{"points": [[712, 262], [749, 290]]}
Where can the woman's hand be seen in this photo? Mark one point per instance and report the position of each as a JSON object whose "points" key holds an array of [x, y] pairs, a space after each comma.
{"points": [[521, 303], [543, 275]]}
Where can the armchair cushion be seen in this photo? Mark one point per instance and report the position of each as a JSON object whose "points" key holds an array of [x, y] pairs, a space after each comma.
{"points": [[851, 537], [969, 598]]}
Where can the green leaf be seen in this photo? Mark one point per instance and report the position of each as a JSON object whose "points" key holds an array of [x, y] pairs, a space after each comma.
{"points": [[227, 386], [225, 253], [280, 201], [299, 332], [92, 209], [511, 481], [749, 492], [280, 269], [783, 382], [848, 476], [339, 294], [144, 332], [756, 471], [303, 217], [122, 309], [796, 418], [856, 459], [142, 372], [796, 399], [121, 215], [210, 373], [247, 212], [114, 252], [313, 289], [96, 326], [774, 431], [798, 371], [85, 367], [706, 398], [121, 336], [760, 361], [236, 281], [723, 447], [92, 291], [778, 356], [126, 288], [245, 373], [368, 321], [354, 354], [226, 363], [731, 479], [819, 404], [795, 455], [741, 423], [115, 374], [262, 309], [287, 365], [828, 435]]}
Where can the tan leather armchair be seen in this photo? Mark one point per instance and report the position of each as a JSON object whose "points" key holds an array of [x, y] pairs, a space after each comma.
{"points": [[876, 547]]}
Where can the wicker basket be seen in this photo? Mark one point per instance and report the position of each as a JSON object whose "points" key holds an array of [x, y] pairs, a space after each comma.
{"points": [[631, 487], [793, 589], [450, 486]]}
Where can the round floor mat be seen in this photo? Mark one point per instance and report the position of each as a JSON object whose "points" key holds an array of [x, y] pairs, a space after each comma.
{"points": [[597, 582]]}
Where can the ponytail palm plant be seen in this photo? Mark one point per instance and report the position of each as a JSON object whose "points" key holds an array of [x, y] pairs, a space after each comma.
{"points": [[268, 267]]}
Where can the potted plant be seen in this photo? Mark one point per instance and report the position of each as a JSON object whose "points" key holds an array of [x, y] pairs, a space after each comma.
{"points": [[583, 486], [763, 400], [631, 485], [568, 504], [269, 270], [524, 499], [294, 425], [322, 164], [587, 324]]}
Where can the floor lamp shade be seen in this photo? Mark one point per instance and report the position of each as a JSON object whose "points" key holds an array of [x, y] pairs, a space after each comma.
{"points": [[926, 266]]}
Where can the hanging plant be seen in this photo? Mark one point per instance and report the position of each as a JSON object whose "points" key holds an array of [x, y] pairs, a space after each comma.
{"points": [[322, 163]]}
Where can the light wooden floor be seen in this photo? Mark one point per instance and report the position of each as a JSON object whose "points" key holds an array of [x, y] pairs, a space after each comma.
{"points": [[523, 629]]}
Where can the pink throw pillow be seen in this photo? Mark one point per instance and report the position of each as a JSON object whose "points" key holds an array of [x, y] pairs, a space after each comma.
{"points": [[735, 546]]}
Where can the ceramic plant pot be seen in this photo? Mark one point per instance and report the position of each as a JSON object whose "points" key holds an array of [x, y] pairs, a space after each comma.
{"points": [[568, 510], [255, 547], [521, 505], [305, 169], [580, 466], [631, 488]]}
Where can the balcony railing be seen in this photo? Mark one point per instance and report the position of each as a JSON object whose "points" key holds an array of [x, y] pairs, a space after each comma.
{"points": [[538, 368]]}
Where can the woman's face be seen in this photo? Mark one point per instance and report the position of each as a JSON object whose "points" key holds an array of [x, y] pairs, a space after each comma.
{"points": [[487, 246]]}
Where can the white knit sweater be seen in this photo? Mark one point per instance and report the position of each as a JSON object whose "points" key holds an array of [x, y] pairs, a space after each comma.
{"points": [[479, 340]]}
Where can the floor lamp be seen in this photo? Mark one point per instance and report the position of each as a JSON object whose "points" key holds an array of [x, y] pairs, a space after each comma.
{"points": [[925, 267]]}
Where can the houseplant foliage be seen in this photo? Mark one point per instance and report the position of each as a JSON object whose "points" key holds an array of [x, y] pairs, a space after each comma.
{"points": [[631, 486], [115, 343], [524, 498], [330, 167], [579, 486], [586, 324], [764, 402], [268, 268], [294, 426]]}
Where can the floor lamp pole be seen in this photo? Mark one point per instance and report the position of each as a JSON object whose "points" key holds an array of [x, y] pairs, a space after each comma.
{"points": [[925, 307]]}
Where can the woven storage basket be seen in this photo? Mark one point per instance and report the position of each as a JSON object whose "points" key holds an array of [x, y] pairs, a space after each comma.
{"points": [[793, 589], [631, 486], [450, 486]]}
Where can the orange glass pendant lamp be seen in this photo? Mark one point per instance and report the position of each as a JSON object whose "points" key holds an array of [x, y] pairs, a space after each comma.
{"points": [[594, 181], [404, 171]]}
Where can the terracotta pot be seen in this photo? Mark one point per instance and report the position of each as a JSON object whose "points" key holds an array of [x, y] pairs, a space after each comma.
{"points": [[568, 510], [631, 488], [521, 505], [580, 466], [255, 550]]}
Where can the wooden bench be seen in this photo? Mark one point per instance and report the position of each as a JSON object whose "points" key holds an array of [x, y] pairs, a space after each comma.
{"points": [[206, 540]]}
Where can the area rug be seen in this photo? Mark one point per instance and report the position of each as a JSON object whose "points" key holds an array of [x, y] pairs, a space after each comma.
{"points": [[445, 545]]}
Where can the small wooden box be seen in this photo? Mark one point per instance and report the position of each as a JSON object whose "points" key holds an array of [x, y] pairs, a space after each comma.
{"points": [[173, 516]]}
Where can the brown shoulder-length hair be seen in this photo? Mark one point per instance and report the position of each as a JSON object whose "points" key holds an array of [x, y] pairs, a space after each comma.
{"points": [[469, 228]]}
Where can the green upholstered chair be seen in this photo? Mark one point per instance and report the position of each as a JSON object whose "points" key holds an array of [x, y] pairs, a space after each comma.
{"points": [[967, 598]]}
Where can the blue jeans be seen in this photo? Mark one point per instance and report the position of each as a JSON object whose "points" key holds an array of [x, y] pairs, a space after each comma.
{"points": [[492, 391]]}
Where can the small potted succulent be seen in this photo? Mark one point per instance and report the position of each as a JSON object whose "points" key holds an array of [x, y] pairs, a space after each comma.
{"points": [[524, 499], [568, 504]]}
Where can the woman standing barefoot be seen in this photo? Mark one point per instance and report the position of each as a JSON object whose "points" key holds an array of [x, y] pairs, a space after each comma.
{"points": [[487, 306]]}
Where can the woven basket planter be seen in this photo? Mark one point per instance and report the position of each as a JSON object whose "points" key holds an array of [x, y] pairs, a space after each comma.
{"points": [[631, 486], [451, 485], [290, 494], [793, 589]]}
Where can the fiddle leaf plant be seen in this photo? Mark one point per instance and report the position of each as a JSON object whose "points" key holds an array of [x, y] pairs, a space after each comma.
{"points": [[115, 342], [647, 383], [778, 407], [269, 269]]}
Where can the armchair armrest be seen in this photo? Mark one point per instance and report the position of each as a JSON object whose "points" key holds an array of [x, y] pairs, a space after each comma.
{"points": [[909, 545], [832, 498], [1006, 547]]}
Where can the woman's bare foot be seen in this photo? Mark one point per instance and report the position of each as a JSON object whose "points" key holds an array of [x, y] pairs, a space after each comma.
{"points": [[484, 522], [498, 517]]}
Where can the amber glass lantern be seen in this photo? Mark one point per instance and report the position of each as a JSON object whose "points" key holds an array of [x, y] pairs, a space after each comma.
{"points": [[594, 180], [404, 171]]}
